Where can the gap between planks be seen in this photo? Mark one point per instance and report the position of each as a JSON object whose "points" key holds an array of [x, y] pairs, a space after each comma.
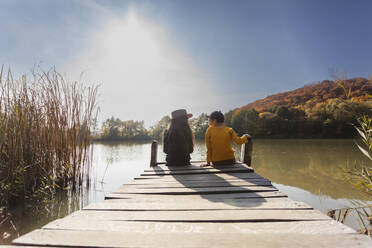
{"points": [[212, 197]]}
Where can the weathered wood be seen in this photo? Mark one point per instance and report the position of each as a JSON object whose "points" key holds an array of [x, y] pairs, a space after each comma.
{"points": [[197, 197], [205, 204], [154, 153], [187, 183], [199, 184], [205, 190], [203, 171], [26, 246], [163, 163], [194, 166], [246, 152], [219, 181], [194, 207], [198, 177], [188, 200], [203, 215], [75, 238], [305, 227]]}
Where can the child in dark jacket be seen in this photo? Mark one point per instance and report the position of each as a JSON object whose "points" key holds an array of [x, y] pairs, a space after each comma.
{"points": [[178, 139]]}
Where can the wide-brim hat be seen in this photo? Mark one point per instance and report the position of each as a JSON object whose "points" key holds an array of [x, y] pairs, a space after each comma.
{"points": [[179, 113]]}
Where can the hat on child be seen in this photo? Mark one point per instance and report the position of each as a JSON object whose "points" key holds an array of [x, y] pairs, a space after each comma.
{"points": [[179, 113]]}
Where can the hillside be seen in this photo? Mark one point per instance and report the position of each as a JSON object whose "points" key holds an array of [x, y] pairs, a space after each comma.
{"points": [[321, 110], [312, 94]]}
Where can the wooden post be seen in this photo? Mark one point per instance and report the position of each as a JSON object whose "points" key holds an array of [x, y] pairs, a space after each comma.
{"points": [[246, 152], [154, 154]]}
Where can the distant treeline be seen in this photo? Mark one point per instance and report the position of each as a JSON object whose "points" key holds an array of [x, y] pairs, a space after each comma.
{"points": [[331, 119], [323, 110], [116, 129]]}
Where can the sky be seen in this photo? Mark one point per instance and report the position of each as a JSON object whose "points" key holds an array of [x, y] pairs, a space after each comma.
{"points": [[152, 57]]}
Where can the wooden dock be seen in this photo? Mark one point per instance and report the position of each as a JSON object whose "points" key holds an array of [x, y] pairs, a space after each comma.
{"points": [[228, 206]]}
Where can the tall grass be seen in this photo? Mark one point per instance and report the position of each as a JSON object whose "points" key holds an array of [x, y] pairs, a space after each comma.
{"points": [[359, 176], [45, 125]]}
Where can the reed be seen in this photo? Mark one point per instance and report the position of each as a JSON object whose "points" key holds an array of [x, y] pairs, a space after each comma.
{"points": [[362, 213], [45, 124], [359, 176]]}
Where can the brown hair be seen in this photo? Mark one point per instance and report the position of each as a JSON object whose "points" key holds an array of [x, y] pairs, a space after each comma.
{"points": [[180, 126]]}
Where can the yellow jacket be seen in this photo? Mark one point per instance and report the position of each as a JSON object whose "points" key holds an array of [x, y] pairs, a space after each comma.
{"points": [[219, 143]]}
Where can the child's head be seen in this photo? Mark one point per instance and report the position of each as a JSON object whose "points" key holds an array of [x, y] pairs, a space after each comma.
{"points": [[216, 117]]}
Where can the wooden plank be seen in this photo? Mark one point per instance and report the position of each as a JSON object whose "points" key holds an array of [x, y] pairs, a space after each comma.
{"points": [[194, 207], [202, 201], [203, 215], [193, 162], [196, 180], [170, 198], [193, 172], [209, 190], [194, 167], [192, 182], [26, 246], [255, 203], [305, 227], [199, 184], [52, 237], [202, 177]]}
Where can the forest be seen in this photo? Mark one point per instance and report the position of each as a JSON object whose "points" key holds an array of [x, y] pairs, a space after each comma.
{"points": [[322, 110]]}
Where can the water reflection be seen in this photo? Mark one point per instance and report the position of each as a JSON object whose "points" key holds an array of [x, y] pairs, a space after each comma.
{"points": [[312, 165]]}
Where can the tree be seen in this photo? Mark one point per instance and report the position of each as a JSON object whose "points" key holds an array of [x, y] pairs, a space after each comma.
{"points": [[200, 125], [157, 131], [284, 112], [246, 121], [114, 128], [110, 127], [228, 117]]}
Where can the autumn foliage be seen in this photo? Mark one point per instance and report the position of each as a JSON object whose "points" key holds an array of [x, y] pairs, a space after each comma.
{"points": [[313, 94], [321, 110]]}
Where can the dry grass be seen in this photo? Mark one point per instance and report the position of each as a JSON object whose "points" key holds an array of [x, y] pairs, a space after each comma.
{"points": [[359, 176], [44, 134], [362, 213]]}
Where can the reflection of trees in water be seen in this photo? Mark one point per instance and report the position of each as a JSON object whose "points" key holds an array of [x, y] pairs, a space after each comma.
{"points": [[115, 151], [312, 165]]}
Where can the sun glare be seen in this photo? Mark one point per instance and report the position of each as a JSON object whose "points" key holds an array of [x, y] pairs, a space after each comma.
{"points": [[143, 75]]}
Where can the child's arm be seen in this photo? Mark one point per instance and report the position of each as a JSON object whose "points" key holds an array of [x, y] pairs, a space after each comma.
{"points": [[239, 140], [209, 147]]}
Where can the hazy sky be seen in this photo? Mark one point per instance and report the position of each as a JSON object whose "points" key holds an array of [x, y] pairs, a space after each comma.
{"points": [[151, 57]]}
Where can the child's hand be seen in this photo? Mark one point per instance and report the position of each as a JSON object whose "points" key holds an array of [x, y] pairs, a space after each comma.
{"points": [[205, 165], [248, 136]]}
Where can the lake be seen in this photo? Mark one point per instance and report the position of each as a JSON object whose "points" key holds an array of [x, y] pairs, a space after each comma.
{"points": [[306, 170]]}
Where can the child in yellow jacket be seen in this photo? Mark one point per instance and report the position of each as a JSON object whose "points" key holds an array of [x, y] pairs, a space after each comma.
{"points": [[218, 140]]}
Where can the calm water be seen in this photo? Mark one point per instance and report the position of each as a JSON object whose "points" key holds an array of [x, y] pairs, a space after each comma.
{"points": [[306, 170]]}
